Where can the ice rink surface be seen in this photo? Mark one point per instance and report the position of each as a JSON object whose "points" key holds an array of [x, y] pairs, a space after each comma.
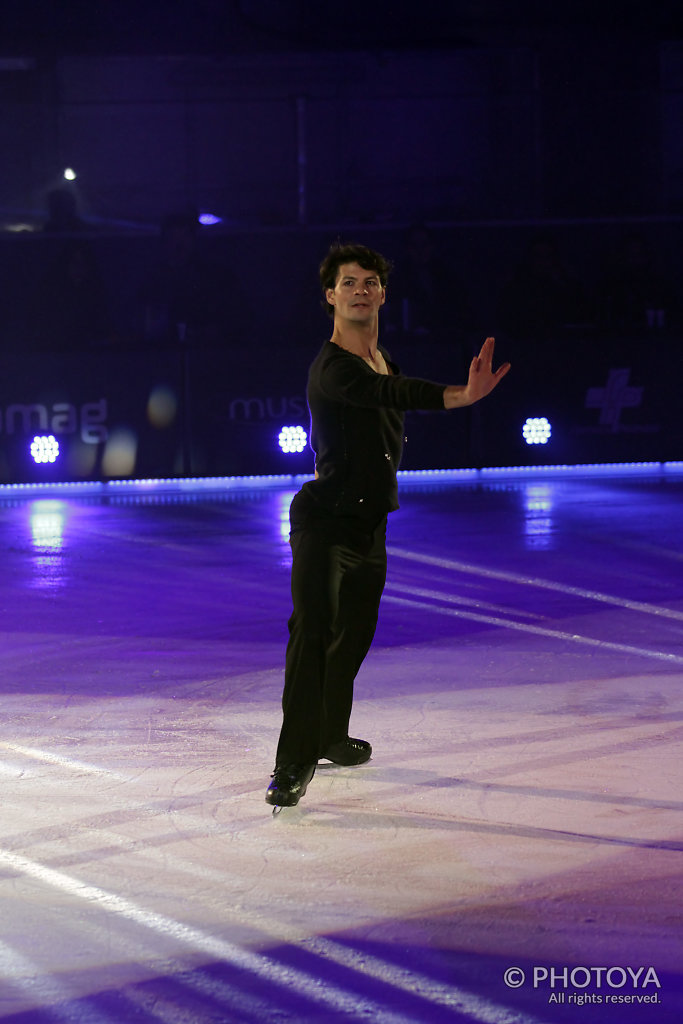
{"points": [[511, 854]]}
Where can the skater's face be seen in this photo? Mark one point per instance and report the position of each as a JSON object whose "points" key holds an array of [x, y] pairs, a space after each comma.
{"points": [[357, 294]]}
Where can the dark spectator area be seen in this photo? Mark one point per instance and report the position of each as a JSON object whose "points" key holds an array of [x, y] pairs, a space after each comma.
{"points": [[181, 311], [165, 209]]}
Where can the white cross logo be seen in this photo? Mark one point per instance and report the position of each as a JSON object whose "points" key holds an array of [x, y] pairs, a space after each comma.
{"points": [[615, 396]]}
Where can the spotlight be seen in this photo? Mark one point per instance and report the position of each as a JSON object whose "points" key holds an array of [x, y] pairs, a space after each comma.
{"points": [[292, 439], [209, 219], [44, 448], [69, 174], [537, 430]]}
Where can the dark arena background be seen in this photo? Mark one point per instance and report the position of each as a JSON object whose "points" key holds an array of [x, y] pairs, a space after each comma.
{"points": [[169, 186], [171, 176]]}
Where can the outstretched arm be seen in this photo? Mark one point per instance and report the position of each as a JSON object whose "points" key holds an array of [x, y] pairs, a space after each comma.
{"points": [[481, 381]]}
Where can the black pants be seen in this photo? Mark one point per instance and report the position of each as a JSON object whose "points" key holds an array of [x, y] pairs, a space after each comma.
{"points": [[338, 574]]}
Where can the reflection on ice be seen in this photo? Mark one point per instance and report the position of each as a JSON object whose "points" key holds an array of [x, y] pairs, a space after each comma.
{"points": [[538, 517], [46, 520]]}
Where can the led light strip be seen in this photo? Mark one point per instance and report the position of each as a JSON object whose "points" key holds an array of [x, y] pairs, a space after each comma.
{"points": [[219, 483]]}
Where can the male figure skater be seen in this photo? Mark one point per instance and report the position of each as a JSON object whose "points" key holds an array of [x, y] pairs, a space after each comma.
{"points": [[356, 397]]}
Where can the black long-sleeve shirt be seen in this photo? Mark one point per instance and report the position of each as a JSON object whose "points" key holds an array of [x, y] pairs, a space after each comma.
{"points": [[357, 431]]}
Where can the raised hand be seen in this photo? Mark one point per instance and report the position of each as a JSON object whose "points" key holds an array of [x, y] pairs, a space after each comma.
{"points": [[481, 381]]}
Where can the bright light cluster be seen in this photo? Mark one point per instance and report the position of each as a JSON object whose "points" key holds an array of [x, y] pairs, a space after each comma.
{"points": [[45, 448], [292, 439], [537, 430]]}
